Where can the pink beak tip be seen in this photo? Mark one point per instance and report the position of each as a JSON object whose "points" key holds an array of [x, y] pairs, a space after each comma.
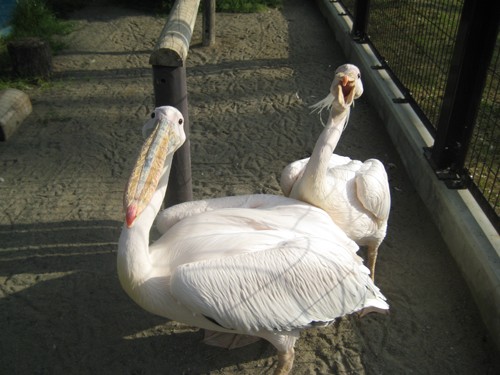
{"points": [[131, 215]]}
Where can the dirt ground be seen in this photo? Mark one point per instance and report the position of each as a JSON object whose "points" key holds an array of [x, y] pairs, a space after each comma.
{"points": [[62, 310]]}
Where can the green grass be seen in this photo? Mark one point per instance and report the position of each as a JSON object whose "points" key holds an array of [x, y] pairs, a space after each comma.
{"points": [[246, 6]]}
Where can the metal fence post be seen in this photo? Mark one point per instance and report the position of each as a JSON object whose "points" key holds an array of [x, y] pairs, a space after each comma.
{"points": [[360, 22], [477, 34]]}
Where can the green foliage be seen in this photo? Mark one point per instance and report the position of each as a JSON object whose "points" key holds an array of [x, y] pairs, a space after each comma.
{"points": [[230, 6], [33, 18], [64, 7], [154, 6], [22, 84], [245, 6]]}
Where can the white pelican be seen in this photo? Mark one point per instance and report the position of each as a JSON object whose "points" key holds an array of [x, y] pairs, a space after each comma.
{"points": [[355, 194], [259, 265]]}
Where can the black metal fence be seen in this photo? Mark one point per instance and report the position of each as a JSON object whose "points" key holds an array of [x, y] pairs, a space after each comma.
{"points": [[444, 55]]}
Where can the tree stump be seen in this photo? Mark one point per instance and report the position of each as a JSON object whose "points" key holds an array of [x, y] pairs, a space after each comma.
{"points": [[30, 58]]}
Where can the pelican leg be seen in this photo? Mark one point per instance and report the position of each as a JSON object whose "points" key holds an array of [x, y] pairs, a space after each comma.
{"points": [[372, 259], [228, 340], [285, 362]]}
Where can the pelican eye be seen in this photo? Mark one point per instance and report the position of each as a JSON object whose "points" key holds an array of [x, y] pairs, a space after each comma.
{"points": [[180, 121], [153, 115], [359, 75]]}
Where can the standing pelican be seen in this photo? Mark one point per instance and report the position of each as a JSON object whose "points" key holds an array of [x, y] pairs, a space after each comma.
{"points": [[259, 265], [355, 194]]}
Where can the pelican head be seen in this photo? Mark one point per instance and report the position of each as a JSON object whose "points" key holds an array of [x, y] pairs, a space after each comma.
{"points": [[347, 85], [166, 137], [345, 88]]}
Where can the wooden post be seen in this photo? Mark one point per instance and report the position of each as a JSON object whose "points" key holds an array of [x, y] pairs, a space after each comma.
{"points": [[170, 88], [173, 44], [208, 22]]}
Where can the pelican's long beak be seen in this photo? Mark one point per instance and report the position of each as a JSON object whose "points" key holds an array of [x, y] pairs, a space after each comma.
{"points": [[147, 170]]}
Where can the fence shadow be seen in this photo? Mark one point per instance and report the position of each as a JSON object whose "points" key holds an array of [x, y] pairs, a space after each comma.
{"points": [[62, 310]]}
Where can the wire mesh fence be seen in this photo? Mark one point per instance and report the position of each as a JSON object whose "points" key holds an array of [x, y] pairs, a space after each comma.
{"points": [[483, 159], [415, 41]]}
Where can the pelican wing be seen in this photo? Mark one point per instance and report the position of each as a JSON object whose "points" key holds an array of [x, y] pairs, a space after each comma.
{"points": [[294, 171], [172, 215], [372, 188], [290, 174], [263, 222], [296, 284]]}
